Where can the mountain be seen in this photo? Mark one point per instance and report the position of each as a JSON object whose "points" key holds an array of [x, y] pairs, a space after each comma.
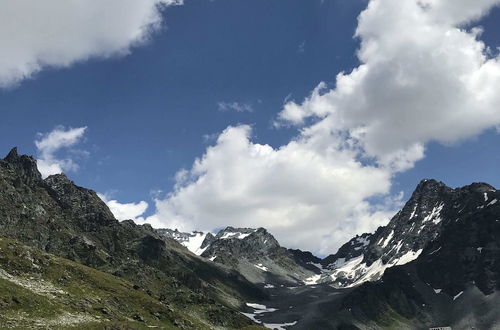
{"points": [[455, 280], [57, 217], [254, 253], [437, 263], [65, 261], [366, 257]]}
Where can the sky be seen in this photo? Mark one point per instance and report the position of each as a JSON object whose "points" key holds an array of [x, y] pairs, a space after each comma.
{"points": [[313, 118]]}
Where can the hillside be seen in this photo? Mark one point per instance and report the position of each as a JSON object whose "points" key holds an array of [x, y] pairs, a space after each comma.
{"points": [[40, 290], [58, 217]]}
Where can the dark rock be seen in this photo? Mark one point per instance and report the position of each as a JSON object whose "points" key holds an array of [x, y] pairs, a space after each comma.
{"points": [[59, 217]]}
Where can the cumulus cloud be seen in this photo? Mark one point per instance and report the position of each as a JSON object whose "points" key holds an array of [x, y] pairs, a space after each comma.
{"points": [[310, 193], [125, 211], [234, 106], [48, 145], [422, 78], [57, 33]]}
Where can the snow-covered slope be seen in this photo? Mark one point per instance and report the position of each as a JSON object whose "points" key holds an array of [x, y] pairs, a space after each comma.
{"points": [[192, 241], [420, 222]]}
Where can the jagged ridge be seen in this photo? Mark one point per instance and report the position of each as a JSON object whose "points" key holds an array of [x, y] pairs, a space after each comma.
{"points": [[56, 216]]}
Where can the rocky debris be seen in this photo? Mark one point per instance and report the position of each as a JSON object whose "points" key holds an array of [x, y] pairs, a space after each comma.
{"points": [[35, 284]]}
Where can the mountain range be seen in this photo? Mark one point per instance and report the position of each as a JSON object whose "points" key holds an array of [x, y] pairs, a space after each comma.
{"points": [[66, 262]]}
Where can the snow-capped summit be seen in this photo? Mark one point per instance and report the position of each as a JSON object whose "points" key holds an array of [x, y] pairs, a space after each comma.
{"points": [[255, 253], [410, 231]]}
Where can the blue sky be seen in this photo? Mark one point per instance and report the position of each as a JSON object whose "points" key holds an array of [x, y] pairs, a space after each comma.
{"points": [[153, 111], [147, 112]]}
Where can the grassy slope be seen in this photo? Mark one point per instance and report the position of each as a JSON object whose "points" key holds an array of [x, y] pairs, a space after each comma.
{"points": [[43, 291]]}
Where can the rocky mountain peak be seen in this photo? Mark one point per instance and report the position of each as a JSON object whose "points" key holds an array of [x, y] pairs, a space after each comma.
{"points": [[25, 167], [12, 155], [79, 201], [480, 187], [429, 188]]}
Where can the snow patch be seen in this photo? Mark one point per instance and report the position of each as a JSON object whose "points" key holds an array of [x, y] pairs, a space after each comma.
{"points": [[212, 258], [438, 290], [407, 257], [279, 326], [389, 237], [346, 267], [193, 243], [268, 286], [313, 280], [238, 235], [258, 309], [436, 250], [435, 215], [492, 202], [261, 267], [414, 211], [256, 306], [398, 246], [458, 295], [359, 272]]}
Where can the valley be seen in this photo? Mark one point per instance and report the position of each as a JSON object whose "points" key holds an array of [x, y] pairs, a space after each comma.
{"points": [[62, 252]]}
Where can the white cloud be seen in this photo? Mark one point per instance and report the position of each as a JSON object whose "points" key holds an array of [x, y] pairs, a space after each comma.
{"points": [[234, 106], [421, 79], [50, 143], [302, 47], [310, 193], [126, 211], [57, 33]]}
